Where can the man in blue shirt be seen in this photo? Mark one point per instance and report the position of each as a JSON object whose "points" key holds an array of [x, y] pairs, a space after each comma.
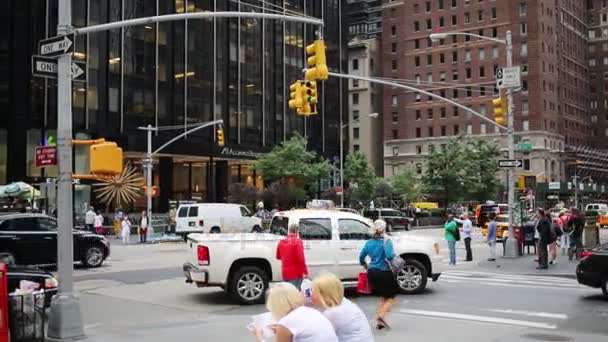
{"points": [[492, 237]]}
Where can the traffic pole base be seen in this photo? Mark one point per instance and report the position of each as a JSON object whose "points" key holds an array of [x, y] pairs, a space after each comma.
{"points": [[65, 320], [511, 249]]}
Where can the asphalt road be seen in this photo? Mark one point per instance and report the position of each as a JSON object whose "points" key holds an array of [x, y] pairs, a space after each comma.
{"points": [[141, 296]]}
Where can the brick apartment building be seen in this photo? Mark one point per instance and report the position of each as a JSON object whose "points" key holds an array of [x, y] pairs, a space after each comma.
{"points": [[598, 70], [551, 108]]}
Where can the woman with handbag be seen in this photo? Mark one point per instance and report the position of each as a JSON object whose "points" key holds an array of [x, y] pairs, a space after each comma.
{"points": [[379, 273]]}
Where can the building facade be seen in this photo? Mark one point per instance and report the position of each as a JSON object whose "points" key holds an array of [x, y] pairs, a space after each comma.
{"points": [[165, 74], [598, 71], [551, 108]]}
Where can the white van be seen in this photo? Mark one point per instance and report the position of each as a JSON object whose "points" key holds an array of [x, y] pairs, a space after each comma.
{"points": [[215, 218], [601, 208]]}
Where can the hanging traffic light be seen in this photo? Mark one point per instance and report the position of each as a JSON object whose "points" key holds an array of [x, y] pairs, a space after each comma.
{"points": [[500, 110], [295, 95], [219, 136], [105, 159], [317, 61], [309, 89]]}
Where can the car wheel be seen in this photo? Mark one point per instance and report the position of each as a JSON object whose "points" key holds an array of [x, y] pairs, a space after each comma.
{"points": [[215, 230], [413, 277], [605, 286], [256, 229], [249, 285], [93, 257], [7, 258]]}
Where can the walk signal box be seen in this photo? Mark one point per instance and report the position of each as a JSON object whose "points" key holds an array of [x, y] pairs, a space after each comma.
{"points": [[105, 159]]}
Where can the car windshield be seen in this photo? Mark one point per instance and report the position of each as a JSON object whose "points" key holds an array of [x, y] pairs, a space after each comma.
{"points": [[279, 225], [502, 219], [489, 209]]}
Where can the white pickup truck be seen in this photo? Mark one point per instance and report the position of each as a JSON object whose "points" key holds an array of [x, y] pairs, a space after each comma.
{"points": [[244, 264]]}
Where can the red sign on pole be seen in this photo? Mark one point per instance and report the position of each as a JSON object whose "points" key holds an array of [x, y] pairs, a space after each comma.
{"points": [[46, 156]]}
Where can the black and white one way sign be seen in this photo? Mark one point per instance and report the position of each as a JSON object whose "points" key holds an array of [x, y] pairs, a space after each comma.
{"points": [[57, 46], [47, 67]]}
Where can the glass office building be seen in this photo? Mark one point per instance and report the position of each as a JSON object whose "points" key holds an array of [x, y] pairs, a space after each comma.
{"points": [[171, 73]]}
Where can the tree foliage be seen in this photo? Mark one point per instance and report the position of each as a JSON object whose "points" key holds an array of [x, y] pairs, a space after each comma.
{"points": [[291, 160], [243, 193], [360, 176], [408, 186], [462, 170]]}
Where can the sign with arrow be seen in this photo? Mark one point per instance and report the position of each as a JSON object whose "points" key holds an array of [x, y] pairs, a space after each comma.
{"points": [[510, 163], [47, 67], [56, 46]]}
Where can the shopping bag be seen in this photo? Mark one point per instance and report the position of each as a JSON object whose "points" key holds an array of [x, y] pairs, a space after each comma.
{"points": [[362, 285], [306, 288]]}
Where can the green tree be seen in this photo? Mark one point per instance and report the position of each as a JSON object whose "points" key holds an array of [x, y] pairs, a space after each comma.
{"points": [[291, 160], [408, 186], [360, 176], [481, 167], [445, 175]]}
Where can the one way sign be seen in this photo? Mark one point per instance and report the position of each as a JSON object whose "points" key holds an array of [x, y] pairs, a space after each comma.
{"points": [[47, 67], [510, 163], [57, 46]]}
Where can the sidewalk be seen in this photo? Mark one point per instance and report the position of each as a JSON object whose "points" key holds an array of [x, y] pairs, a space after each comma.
{"points": [[526, 265]]}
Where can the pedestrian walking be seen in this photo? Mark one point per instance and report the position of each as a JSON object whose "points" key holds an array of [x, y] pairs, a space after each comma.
{"points": [[565, 238], [295, 321], [118, 216], [491, 239], [144, 223], [451, 236], [126, 230], [98, 223], [349, 322], [89, 219], [379, 274], [556, 233], [544, 238], [467, 231], [576, 225], [291, 253]]}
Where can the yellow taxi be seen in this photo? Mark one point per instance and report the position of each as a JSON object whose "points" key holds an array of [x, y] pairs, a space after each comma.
{"points": [[502, 225], [602, 221]]}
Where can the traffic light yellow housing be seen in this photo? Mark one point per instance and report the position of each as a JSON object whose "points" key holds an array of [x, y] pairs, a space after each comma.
{"points": [[219, 135], [105, 159], [500, 110], [309, 91], [317, 61], [295, 95]]}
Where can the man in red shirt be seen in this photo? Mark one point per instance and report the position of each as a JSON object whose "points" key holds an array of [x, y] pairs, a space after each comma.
{"points": [[291, 253]]}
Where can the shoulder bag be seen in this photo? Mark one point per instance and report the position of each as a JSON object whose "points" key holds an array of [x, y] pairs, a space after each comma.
{"points": [[396, 264]]}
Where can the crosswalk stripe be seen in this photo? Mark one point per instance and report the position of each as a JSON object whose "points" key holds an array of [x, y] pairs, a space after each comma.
{"points": [[510, 276], [507, 281], [531, 313], [477, 318]]}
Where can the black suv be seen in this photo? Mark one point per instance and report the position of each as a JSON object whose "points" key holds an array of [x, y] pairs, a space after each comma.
{"points": [[394, 218], [31, 239]]}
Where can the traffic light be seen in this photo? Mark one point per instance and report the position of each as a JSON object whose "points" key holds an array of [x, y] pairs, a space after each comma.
{"points": [[219, 135], [500, 110], [105, 159], [295, 94], [317, 62], [154, 192], [309, 93], [521, 182]]}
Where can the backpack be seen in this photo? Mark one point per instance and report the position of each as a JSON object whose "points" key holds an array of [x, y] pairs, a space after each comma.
{"points": [[457, 234]]}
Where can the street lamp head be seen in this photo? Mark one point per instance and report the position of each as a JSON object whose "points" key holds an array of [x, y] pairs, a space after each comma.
{"points": [[435, 37]]}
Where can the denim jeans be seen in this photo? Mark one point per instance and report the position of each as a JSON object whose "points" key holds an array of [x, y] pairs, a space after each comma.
{"points": [[296, 282], [452, 248]]}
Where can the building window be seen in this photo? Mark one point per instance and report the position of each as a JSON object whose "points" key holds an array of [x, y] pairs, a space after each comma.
{"points": [[456, 129], [429, 24], [454, 3], [525, 106], [441, 58], [417, 61], [395, 116], [467, 18], [482, 54], [454, 75], [468, 73], [429, 113], [355, 132], [455, 114], [355, 114], [454, 20], [469, 129], [416, 26], [482, 128], [418, 149], [419, 169], [395, 134], [355, 99], [467, 55], [527, 164], [394, 64], [592, 62], [442, 77], [356, 148], [355, 64], [441, 22], [480, 15], [440, 2], [394, 30], [454, 56], [395, 152], [429, 60], [418, 114], [355, 83], [443, 131], [525, 125], [482, 72], [495, 52], [430, 129], [493, 12], [443, 111], [494, 32], [428, 6], [393, 47], [417, 44], [418, 134], [523, 29], [523, 50], [523, 8], [394, 100]]}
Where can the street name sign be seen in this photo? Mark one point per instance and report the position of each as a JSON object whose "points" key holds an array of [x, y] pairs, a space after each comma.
{"points": [[524, 147], [47, 67], [56, 46], [508, 77], [510, 163], [46, 156]]}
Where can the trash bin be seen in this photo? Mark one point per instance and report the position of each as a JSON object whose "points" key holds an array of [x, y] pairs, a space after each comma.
{"points": [[27, 316]]}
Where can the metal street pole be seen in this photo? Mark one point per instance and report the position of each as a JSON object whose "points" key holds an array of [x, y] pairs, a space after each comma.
{"points": [[341, 162], [65, 319], [149, 181], [512, 249]]}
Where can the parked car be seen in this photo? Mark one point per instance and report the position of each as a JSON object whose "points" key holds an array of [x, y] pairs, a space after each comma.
{"points": [[31, 239], [601, 208], [244, 264], [48, 283], [394, 218], [592, 270], [215, 218]]}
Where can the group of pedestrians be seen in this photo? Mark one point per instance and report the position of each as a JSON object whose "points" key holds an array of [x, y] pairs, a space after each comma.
{"points": [[338, 319], [558, 227], [94, 223]]}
